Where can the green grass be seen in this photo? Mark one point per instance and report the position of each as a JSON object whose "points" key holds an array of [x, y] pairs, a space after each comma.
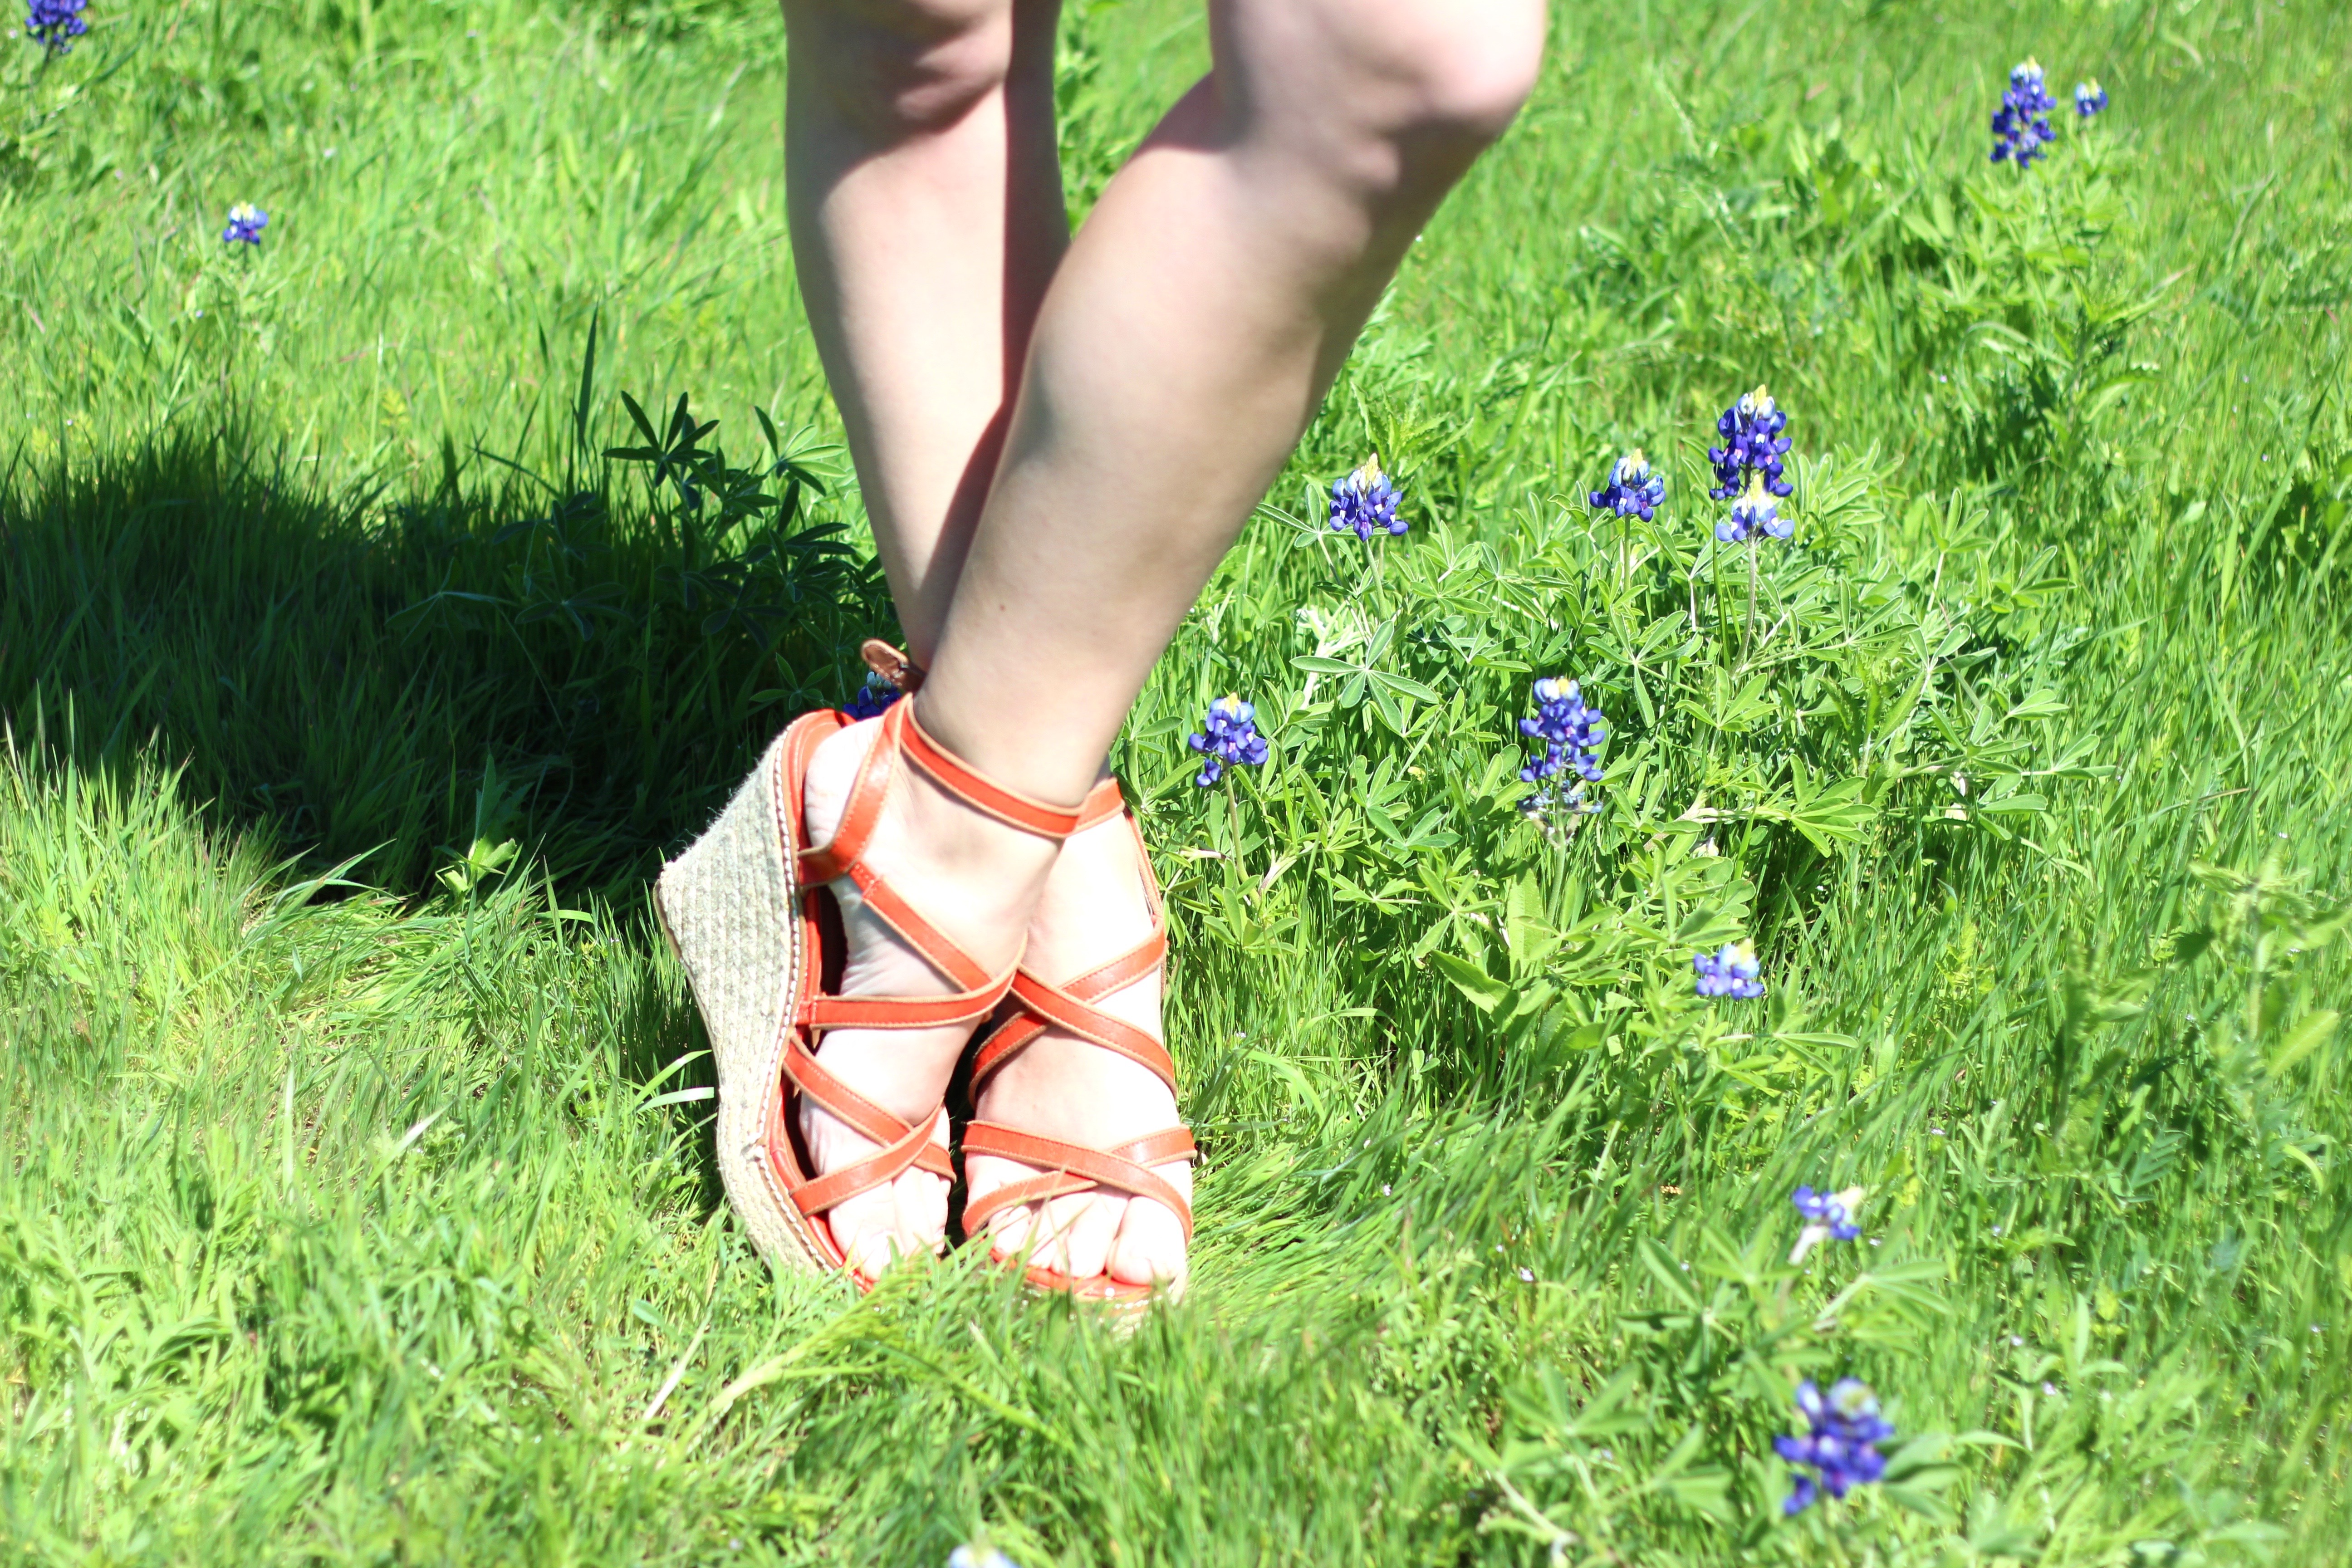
{"points": [[358, 1203]]}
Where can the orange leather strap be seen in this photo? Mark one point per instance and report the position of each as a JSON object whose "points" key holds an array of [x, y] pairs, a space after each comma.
{"points": [[860, 814], [1066, 1007], [903, 1146], [1102, 803], [1072, 1168], [973, 787]]}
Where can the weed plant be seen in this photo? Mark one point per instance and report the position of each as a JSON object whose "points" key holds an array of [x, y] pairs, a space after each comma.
{"points": [[382, 600]]}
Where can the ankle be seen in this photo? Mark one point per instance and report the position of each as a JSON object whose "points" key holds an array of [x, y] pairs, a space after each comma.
{"points": [[996, 873], [975, 878]]}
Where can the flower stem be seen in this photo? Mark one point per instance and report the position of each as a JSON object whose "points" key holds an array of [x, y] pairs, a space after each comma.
{"points": [[1747, 641], [1233, 816]]}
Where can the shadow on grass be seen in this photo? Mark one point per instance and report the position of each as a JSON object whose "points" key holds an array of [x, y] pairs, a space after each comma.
{"points": [[581, 669], [513, 693]]}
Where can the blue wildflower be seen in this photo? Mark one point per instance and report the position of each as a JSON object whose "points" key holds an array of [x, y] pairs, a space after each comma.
{"points": [[1754, 516], [1838, 1445], [1632, 488], [2020, 126], [1730, 972], [978, 1557], [2090, 98], [54, 24], [1572, 730], [1232, 740], [245, 223], [1829, 1217], [1365, 502], [1753, 447], [871, 700]]}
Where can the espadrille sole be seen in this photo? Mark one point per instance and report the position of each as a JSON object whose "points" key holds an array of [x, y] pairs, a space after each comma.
{"points": [[729, 905]]}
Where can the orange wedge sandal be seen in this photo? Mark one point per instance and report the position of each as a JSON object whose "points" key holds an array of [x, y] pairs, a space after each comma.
{"points": [[748, 913], [1066, 1169]]}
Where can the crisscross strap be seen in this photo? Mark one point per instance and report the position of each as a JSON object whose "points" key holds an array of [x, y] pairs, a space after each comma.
{"points": [[1071, 1168], [977, 990], [904, 1146], [1073, 1003]]}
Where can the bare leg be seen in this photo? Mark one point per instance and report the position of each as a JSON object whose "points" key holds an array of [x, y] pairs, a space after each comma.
{"points": [[927, 219], [1185, 341]]}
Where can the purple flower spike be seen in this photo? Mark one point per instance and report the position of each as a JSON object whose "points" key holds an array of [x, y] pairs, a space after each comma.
{"points": [[1754, 516], [2090, 98], [1632, 489], [1231, 739], [1753, 447], [1365, 502], [54, 24], [1729, 973], [1571, 731], [1838, 1445], [2020, 126], [245, 223]]}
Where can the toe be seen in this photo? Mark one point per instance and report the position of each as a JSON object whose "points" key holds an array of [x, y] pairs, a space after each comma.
{"points": [[1081, 1228], [1149, 1247], [866, 1228], [922, 1212], [1010, 1231]]}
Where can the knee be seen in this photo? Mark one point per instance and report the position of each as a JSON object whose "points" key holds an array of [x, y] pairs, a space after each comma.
{"points": [[900, 67], [1417, 89], [1462, 88]]}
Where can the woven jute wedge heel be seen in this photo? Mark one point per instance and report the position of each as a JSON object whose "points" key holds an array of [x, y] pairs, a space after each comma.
{"points": [[1065, 1168], [747, 910]]}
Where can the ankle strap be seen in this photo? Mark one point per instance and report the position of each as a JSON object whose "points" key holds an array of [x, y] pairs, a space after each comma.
{"points": [[1103, 803], [902, 734], [970, 785]]}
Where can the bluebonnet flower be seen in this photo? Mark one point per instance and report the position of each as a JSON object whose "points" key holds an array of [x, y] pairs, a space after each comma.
{"points": [[871, 700], [1365, 502], [2020, 126], [1572, 730], [245, 223], [1753, 447], [1838, 1445], [1829, 1217], [978, 1557], [1232, 740], [1631, 487], [54, 24], [2090, 98], [1730, 972], [1754, 516]]}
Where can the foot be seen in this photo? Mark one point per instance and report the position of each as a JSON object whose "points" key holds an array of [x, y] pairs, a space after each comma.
{"points": [[1093, 910], [973, 878]]}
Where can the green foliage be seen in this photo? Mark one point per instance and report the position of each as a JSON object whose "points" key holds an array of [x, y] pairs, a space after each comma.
{"points": [[363, 646]]}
